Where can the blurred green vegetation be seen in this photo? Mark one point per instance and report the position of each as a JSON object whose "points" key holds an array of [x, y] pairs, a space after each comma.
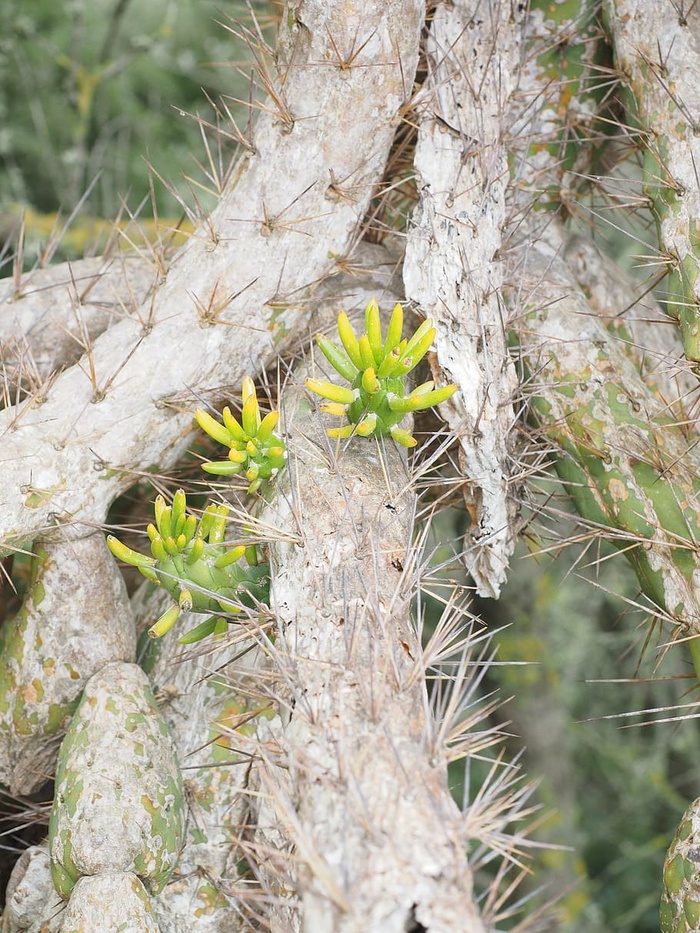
{"points": [[92, 92], [576, 676]]}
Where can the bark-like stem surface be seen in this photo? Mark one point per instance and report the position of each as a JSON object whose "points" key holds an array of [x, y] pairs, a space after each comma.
{"points": [[379, 840], [452, 266]]}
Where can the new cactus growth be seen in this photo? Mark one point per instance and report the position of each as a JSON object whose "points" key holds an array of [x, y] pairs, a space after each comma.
{"points": [[377, 368], [254, 448], [191, 561]]}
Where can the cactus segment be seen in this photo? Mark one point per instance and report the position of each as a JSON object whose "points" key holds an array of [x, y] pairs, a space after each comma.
{"points": [[255, 451], [50, 649], [119, 803], [566, 72], [663, 98], [680, 901], [196, 568], [377, 401], [112, 901]]}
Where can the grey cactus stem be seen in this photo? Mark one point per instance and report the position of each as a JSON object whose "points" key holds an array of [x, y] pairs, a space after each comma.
{"points": [[627, 465], [377, 835], [53, 646], [452, 269], [658, 51]]}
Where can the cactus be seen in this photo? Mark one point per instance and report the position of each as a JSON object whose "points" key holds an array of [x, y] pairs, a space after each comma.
{"points": [[254, 448], [119, 804], [109, 901], [280, 734], [190, 560], [660, 58], [377, 368], [680, 900], [211, 711], [50, 649]]}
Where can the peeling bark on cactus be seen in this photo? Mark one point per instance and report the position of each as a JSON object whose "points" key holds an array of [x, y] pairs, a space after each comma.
{"points": [[452, 267], [290, 211]]}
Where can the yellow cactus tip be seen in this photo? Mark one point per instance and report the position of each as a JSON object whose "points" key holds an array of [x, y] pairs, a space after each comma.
{"points": [[403, 437], [247, 388], [165, 623]]}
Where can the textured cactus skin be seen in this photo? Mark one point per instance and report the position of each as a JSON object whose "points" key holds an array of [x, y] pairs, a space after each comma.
{"points": [[626, 465], [119, 799], [50, 649], [31, 902], [680, 901], [660, 57], [567, 68], [203, 894], [112, 901]]}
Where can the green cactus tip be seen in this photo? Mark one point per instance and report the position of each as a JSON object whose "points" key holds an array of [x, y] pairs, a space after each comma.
{"points": [[190, 560], [377, 402], [254, 448]]}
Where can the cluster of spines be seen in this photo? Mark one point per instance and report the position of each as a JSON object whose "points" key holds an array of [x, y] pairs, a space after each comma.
{"points": [[255, 450], [377, 368]]}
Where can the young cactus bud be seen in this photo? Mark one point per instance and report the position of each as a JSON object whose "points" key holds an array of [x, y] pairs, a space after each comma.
{"points": [[376, 368], [255, 450], [199, 571]]}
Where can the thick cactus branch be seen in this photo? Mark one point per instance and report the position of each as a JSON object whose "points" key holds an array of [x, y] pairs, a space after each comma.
{"points": [[634, 316], [238, 288], [74, 620], [379, 842], [627, 463], [452, 267], [49, 318], [657, 46]]}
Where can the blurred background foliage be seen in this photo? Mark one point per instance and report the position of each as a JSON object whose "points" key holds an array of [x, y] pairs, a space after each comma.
{"points": [[90, 94]]}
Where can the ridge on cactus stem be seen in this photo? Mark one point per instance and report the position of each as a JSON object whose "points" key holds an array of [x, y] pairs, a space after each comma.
{"points": [[376, 367], [189, 560], [255, 450]]}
